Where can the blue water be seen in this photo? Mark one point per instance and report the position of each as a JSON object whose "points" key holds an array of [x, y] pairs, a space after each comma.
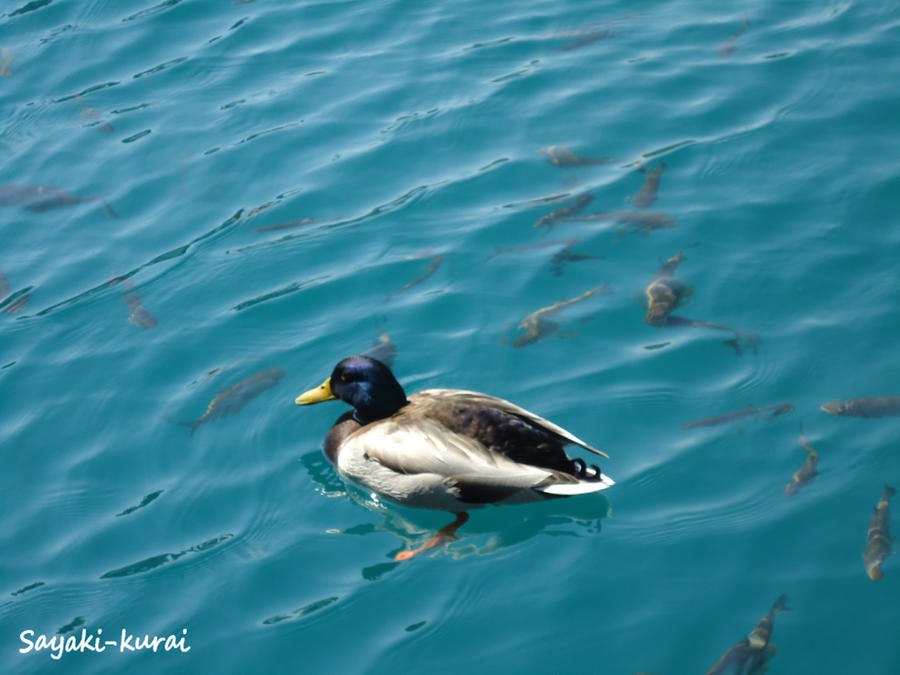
{"points": [[408, 131]]}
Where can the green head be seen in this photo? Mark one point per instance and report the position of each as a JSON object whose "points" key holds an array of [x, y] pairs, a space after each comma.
{"points": [[365, 383]]}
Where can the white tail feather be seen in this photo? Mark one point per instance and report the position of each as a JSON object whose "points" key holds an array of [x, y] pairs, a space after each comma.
{"points": [[580, 488]]}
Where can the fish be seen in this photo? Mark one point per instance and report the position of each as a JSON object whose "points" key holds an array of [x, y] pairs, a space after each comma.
{"points": [[383, 349], [39, 198], [139, 316], [642, 221], [213, 372], [553, 198], [6, 58], [16, 305], [284, 226], [4, 286], [647, 194], [91, 116], [252, 213], [878, 538], [551, 219], [11, 303], [538, 325], [588, 38], [232, 400], [875, 406], [564, 158], [218, 370], [750, 655], [750, 340], [729, 45], [500, 250], [806, 473], [565, 255], [739, 342], [776, 410], [665, 294], [433, 266]]}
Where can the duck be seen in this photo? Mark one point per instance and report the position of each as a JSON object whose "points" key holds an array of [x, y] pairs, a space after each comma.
{"points": [[446, 449]]}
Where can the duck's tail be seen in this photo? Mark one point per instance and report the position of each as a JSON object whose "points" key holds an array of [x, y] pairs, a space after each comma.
{"points": [[601, 482]]}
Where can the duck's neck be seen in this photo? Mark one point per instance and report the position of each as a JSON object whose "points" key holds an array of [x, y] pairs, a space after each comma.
{"points": [[388, 401]]}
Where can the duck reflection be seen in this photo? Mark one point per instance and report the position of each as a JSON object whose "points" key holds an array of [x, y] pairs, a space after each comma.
{"points": [[489, 531]]}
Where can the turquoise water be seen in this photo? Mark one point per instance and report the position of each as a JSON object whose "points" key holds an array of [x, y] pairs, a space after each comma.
{"points": [[408, 131]]}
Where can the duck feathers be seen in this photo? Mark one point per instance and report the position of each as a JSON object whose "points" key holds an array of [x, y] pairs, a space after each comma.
{"points": [[494, 421], [452, 449]]}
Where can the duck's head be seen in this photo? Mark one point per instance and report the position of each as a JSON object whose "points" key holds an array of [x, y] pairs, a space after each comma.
{"points": [[365, 383]]}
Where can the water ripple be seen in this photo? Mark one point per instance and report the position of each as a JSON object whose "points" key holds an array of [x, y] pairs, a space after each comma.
{"points": [[164, 6], [163, 257], [151, 563], [32, 6], [161, 67]]}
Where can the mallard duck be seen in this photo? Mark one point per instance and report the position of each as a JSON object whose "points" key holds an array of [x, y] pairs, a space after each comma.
{"points": [[446, 449]]}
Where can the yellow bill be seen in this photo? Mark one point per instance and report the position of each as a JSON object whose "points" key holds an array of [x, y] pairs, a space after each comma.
{"points": [[317, 395]]}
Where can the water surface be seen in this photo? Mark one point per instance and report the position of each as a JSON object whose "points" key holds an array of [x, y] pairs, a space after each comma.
{"points": [[407, 131]]}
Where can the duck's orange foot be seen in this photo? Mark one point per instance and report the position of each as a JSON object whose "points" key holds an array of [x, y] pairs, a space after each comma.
{"points": [[406, 555], [444, 536]]}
